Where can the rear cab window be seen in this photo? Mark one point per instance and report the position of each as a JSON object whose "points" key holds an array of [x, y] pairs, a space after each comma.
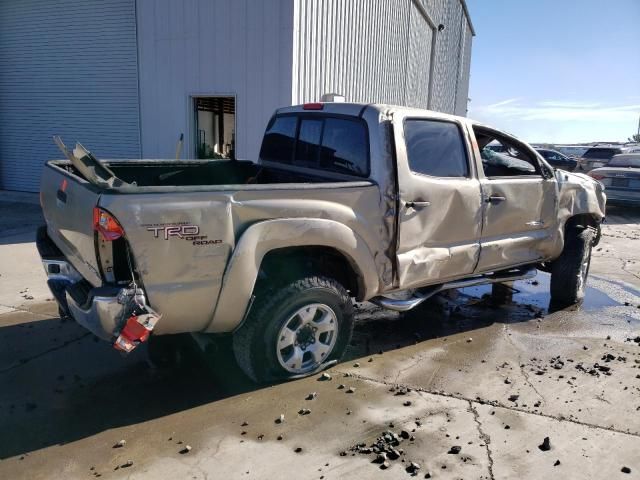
{"points": [[324, 142], [603, 153]]}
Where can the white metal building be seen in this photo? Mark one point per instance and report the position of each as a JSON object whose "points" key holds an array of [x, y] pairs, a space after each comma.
{"points": [[127, 77]]}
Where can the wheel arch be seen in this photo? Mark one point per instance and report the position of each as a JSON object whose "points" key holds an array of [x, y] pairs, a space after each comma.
{"points": [[299, 236]]}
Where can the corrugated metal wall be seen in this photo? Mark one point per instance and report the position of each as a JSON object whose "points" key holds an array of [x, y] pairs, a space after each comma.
{"points": [[69, 68], [212, 47], [380, 50]]}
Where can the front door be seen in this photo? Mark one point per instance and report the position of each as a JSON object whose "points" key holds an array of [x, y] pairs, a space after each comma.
{"points": [[519, 204], [440, 202]]}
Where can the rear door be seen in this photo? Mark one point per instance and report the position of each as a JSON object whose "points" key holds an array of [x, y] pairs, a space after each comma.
{"points": [[440, 213], [67, 204]]}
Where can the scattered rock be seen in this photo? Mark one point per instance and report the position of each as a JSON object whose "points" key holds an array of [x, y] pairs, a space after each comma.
{"points": [[324, 377], [186, 449], [384, 465], [311, 396], [413, 468], [513, 398], [356, 364], [404, 434], [557, 462], [304, 411], [469, 340], [351, 390], [407, 403], [341, 386], [280, 419], [120, 444], [455, 450], [625, 470], [545, 446], [127, 464], [298, 449], [507, 381]]}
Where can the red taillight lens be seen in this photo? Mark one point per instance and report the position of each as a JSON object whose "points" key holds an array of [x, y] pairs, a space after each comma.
{"points": [[108, 226], [596, 176], [313, 106]]}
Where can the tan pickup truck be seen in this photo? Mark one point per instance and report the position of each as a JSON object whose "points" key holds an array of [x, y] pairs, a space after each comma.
{"points": [[346, 202]]}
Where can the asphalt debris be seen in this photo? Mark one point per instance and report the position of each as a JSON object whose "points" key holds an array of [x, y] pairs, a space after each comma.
{"points": [[545, 446]]}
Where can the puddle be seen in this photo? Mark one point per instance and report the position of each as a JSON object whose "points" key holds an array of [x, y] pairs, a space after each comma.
{"points": [[536, 292]]}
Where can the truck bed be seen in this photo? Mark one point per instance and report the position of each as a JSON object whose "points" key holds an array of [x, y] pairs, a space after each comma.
{"points": [[193, 173]]}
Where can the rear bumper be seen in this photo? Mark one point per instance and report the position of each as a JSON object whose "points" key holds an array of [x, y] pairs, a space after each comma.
{"points": [[100, 310]]}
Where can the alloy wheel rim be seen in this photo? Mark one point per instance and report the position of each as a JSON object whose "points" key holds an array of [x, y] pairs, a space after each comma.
{"points": [[307, 338]]}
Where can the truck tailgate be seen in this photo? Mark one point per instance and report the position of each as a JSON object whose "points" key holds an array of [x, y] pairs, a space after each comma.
{"points": [[67, 204]]}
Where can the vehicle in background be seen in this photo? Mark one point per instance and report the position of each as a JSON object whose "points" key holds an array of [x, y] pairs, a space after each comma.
{"points": [[621, 178], [597, 157], [572, 151], [557, 159]]}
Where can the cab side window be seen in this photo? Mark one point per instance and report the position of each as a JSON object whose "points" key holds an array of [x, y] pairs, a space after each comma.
{"points": [[503, 157], [435, 148]]}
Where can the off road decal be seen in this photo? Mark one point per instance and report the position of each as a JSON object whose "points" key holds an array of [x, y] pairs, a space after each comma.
{"points": [[183, 231]]}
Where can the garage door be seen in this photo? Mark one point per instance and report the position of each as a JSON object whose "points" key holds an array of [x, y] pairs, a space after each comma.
{"points": [[67, 67]]}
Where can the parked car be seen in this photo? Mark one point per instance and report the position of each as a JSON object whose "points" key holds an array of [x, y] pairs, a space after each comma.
{"points": [[572, 151], [346, 202], [597, 157], [621, 178], [557, 159]]}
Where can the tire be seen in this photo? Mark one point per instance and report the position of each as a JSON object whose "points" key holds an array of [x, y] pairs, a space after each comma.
{"points": [[315, 311], [570, 270]]}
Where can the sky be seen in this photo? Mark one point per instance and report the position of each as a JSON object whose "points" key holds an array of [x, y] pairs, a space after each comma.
{"points": [[557, 71]]}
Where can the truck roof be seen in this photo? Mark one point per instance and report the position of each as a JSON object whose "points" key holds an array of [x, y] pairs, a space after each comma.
{"points": [[356, 109]]}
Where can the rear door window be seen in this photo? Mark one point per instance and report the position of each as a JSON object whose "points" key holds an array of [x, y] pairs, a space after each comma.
{"points": [[605, 153], [435, 148]]}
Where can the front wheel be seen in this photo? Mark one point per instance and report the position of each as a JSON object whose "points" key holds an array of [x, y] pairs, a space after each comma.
{"points": [[294, 330], [570, 270]]}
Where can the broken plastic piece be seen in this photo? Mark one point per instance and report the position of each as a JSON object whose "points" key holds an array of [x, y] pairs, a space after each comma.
{"points": [[136, 331]]}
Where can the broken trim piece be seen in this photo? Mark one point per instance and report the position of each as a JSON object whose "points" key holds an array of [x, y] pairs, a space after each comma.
{"points": [[428, 292]]}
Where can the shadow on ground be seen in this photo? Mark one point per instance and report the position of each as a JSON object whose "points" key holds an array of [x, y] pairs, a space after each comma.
{"points": [[59, 385]]}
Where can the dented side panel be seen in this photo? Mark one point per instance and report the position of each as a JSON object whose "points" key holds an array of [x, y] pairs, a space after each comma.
{"points": [[183, 243]]}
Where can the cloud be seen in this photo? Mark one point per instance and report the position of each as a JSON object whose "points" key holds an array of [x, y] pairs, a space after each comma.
{"points": [[551, 110]]}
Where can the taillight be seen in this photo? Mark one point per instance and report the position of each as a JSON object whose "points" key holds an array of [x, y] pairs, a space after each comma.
{"points": [[596, 176], [312, 106], [106, 224]]}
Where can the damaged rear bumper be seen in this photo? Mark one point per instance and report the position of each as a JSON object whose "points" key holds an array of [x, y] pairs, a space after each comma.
{"points": [[118, 315]]}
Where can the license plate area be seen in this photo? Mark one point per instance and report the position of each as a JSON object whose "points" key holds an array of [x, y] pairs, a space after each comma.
{"points": [[620, 182]]}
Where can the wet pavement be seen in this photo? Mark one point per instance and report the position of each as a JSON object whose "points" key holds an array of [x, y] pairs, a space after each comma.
{"points": [[462, 387]]}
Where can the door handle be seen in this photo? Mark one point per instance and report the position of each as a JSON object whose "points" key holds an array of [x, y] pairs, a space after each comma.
{"points": [[495, 199], [417, 204]]}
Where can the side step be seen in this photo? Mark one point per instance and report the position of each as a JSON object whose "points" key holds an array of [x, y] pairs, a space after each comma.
{"points": [[427, 292]]}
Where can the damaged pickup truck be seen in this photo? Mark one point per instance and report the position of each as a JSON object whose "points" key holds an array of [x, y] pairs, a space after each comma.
{"points": [[346, 202]]}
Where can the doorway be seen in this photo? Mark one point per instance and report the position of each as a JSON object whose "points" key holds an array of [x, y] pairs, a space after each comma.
{"points": [[215, 119]]}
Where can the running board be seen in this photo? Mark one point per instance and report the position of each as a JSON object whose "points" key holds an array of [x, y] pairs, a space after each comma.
{"points": [[427, 292]]}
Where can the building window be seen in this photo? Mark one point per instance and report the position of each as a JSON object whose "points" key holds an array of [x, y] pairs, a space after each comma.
{"points": [[215, 119]]}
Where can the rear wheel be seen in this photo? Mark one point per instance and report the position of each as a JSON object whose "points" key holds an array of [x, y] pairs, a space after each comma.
{"points": [[569, 271], [294, 329]]}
